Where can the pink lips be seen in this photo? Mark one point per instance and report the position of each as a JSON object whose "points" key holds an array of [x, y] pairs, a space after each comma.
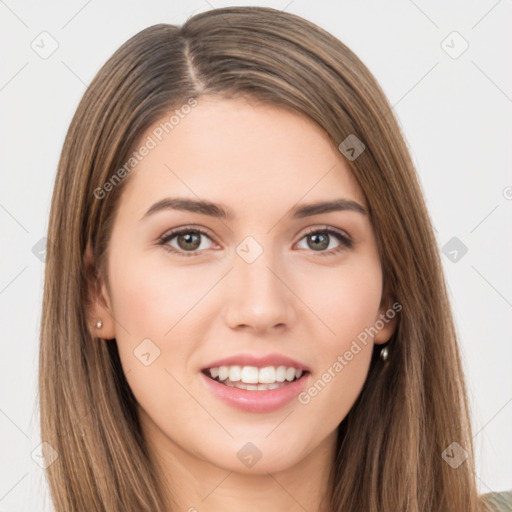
{"points": [[259, 362], [256, 401]]}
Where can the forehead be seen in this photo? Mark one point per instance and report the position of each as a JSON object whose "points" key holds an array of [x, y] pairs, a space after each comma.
{"points": [[243, 154]]}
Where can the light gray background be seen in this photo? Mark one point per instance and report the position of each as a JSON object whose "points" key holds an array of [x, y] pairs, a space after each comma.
{"points": [[455, 113]]}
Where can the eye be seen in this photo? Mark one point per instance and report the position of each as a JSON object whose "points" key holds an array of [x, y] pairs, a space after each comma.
{"points": [[320, 239], [189, 241]]}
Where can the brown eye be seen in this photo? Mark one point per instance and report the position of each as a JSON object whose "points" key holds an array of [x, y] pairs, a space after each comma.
{"points": [[319, 240], [186, 242], [189, 241]]}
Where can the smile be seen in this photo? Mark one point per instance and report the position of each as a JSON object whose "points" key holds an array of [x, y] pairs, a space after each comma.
{"points": [[252, 378]]}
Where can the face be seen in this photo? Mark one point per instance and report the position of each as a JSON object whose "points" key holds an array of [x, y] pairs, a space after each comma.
{"points": [[268, 285]]}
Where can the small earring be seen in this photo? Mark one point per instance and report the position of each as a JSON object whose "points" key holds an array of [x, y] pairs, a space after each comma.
{"points": [[384, 353], [99, 324]]}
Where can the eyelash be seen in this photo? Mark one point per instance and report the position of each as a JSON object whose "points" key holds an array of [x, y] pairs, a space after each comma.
{"points": [[346, 242]]}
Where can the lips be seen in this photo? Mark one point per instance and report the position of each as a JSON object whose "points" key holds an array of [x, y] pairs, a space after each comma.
{"points": [[256, 383], [259, 400]]}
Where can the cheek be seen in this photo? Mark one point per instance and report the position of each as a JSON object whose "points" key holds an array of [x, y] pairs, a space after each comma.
{"points": [[149, 299], [155, 306], [148, 303], [345, 299], [333, 390]]}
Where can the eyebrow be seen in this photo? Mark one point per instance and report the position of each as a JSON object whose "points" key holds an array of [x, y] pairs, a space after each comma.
{"points": [[218, 211]]}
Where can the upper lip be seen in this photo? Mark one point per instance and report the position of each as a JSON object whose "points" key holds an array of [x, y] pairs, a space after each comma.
{"points": [[259, 362]]}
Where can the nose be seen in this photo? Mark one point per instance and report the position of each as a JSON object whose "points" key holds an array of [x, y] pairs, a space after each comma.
{"points": [[259, 297]]}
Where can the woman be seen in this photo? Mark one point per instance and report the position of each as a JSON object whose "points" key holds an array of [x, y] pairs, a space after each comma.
{"points": [[247, 309]]}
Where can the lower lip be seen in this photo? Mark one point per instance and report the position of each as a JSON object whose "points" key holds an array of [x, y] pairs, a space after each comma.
{"points": [[256, 401]]}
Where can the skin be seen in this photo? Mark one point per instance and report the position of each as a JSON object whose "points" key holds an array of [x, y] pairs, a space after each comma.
{"points": [[259, 161]]}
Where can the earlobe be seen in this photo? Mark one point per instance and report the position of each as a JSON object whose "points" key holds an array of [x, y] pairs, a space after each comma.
{"points": [[98, 309]]}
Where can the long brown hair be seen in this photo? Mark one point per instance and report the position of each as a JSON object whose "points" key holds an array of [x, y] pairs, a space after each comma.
{"points": [[413, 407]]}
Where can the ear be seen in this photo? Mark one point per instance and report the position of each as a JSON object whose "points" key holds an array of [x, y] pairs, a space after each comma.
{"points": [[387, 319], [98, 304]]}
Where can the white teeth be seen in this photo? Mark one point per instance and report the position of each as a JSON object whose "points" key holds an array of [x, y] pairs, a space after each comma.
{"points": [[269, 375], [235, 373], [223, 373], [249, 375], [281, 373], [253, 387]]}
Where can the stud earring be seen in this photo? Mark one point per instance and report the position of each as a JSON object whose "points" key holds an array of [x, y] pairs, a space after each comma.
{"points": [[99, 324], [384, 353]]}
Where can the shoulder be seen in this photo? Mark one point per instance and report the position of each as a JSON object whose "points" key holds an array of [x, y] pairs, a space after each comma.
{"points": [[499, 501]]}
